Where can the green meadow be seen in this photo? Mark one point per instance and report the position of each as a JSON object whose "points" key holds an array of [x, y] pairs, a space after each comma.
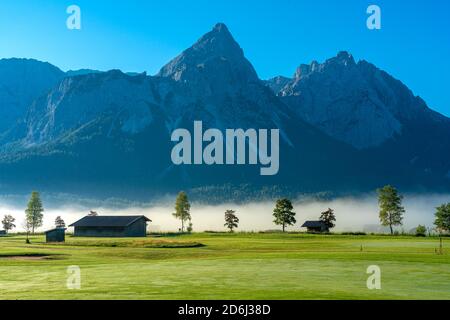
{"points": [[226, 266]]}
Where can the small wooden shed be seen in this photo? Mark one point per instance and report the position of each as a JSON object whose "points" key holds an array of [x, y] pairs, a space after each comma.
{"points": [[2, 233], [316, 226], [56, 235], [111, 226]]}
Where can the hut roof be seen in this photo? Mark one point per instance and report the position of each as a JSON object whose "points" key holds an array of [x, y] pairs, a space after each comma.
{"points": [[107, 221], [55, 229], [314, 224]]}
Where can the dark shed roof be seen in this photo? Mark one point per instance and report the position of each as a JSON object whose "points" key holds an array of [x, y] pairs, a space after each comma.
{"points": [[314, 224], [107, 221], [55, 229]]}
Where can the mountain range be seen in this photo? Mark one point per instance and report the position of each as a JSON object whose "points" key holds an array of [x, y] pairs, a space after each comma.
{"points": [[346, 127]]}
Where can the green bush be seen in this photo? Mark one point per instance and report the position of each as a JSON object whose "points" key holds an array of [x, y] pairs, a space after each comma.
{"points": [[421, 231]]}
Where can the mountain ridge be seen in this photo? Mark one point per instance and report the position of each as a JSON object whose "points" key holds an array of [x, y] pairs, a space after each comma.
{"points": [[384, 101], [109, 132]]}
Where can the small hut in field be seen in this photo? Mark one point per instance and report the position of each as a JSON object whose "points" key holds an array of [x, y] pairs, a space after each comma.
{"points": [[316, 226], [55, 235], [111, 226]]}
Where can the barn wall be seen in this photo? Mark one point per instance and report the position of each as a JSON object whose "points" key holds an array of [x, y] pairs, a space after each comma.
{"points": [[137, 229], [55, 236], [104, 232]]}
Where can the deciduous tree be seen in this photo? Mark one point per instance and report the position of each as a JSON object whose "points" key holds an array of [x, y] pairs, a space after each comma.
{"points": [[34, 211], [421, 231], [182, 209], [328, 217], [8, 223], [442, 215], [27, 226], [391, 209], [231, 220], [284, 214], [59, 222]]}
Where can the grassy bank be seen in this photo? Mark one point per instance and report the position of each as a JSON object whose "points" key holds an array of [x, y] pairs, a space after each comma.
{"points": [[226, 266]]}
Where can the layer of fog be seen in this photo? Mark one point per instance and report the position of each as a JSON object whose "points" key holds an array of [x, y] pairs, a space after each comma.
{"points": [[353, 214]]}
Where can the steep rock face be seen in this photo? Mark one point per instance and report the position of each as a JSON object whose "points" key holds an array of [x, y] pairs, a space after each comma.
{"points": [[107, 127], [365, 107], [78, 101], [95, 134], [212, 81], [277, 83], [22, 81], [81, 72], [354, 102]]}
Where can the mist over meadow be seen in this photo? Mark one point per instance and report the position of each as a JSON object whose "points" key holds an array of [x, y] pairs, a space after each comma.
{"points": [[353, 214]]}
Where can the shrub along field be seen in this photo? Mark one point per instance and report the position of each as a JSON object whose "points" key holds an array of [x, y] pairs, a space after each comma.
{"points": [[226, 266]]}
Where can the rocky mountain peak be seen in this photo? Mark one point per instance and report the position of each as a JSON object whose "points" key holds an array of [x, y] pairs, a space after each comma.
{"points": [[302, 70], [356, 103], [221, 27], [215, 61], [344, 58], [343, 126]]}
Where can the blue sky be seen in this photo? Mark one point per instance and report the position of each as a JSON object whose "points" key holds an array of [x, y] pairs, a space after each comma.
{"points": [[276, 35]]}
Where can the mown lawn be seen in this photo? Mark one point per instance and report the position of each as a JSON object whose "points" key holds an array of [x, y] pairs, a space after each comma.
{"points": [[224, 266]]}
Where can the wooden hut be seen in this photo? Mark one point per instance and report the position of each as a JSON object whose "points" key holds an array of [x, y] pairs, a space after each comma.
{"points": [[55, 235], [316, 226], [111, 226]]}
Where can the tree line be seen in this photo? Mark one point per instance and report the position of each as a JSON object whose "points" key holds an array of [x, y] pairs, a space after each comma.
{"points": [[34, 217], [391, 214]]}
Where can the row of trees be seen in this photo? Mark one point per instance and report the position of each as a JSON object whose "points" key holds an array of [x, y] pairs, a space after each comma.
{"points": [[283, 214], [390, 202], [392, 212], [34, 216]]}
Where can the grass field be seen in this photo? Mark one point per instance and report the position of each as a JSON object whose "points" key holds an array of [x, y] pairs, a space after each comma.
{"points": [[226, 266]]}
